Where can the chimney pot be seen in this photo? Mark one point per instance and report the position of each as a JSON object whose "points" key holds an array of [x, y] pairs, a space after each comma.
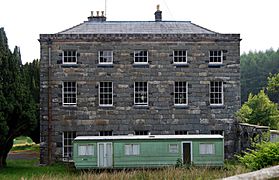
{"points": [[97, 13], [158, 14], [92, 13], [103, 13]]}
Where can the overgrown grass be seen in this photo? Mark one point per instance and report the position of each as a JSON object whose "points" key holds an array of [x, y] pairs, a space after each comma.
{"points": [[30, 169]]}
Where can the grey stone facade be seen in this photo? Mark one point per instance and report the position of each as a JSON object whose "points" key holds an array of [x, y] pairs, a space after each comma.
{"points": [[160, 116]]}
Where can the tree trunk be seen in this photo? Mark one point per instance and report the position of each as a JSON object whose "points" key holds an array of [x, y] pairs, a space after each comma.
{"points": [[4, 153]]}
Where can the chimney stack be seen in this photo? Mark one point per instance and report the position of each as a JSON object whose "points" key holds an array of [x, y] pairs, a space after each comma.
{"points": [[98, 17], [158, 14]]}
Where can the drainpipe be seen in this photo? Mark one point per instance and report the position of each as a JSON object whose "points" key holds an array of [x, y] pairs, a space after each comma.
{"points": [[49, 143]]}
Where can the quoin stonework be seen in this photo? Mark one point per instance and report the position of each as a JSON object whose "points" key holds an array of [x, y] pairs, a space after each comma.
{"points": [[137, 77]]}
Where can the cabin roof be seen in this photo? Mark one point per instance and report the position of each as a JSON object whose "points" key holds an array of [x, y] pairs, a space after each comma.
{"points": [[134, 137]]}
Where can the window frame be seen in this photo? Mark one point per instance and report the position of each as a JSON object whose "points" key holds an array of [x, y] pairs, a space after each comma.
{"points": [[214, 93], [206, 150], [179, 56], [131, 149], [69, 93], [99, 94], [216, 56], [78, 151], [141, 56], [69, 56], [174, 94], [69, 136], [107, 56], [173, 151], [139, 103]]}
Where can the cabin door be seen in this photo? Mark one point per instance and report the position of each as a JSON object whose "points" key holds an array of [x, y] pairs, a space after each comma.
{"points": [[105, 154], [186, 152]]}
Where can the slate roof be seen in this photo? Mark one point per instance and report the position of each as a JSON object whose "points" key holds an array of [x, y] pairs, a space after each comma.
{"points": [[137, 27]]}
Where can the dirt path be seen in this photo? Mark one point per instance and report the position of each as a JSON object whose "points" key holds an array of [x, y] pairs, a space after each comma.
{"points": [[24, 155]]}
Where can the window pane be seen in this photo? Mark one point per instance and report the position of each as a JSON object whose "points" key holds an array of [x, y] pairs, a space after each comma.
{"points": [[180, 56]]}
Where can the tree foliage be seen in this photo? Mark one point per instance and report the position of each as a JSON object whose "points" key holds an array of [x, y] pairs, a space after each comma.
{"points": [[273, 87], [17, 110], [255, 68], [265, 154], [259, 110]]}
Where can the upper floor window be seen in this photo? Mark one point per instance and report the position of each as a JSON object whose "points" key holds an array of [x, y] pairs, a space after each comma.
{"points": [[216, 93], [67, 140], [141, 57], [216, 57], [207, 149], [180, 93], [141, 93], [106, 94], [105, 57], [69, 57], [69, 93], [180, 57]]}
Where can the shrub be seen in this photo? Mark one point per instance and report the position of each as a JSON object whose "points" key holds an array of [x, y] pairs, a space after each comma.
{"points": [[265, 154]]}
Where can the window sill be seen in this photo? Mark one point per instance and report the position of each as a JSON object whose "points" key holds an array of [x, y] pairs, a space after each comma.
{"points": [[215, 65], [181, 64], [105, 65], [217, 106], [106, 106], [70, 65], [141, 106], [176, 106], [145, 65]]}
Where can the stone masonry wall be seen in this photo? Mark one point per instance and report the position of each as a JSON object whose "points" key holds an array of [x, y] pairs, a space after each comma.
{"points": [[160, 117]]}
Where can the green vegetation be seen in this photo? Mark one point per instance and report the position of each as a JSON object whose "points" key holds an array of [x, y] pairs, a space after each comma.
{"points": [[265, 154], [255, 67], [273, 87], [259, 110], [18, 110], [23, 169]]}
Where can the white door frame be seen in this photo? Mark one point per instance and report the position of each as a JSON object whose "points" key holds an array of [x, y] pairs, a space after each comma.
{"points": [[105, 156], [191, 150]]}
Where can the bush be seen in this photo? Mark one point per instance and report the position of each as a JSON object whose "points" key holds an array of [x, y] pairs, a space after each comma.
{"points": [[265, 154]]}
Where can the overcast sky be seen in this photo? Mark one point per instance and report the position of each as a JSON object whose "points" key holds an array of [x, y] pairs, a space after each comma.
{"points": [[256, 20]]}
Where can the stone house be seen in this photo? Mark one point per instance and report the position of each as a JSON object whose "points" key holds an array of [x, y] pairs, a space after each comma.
{"points": [[137, 77]]}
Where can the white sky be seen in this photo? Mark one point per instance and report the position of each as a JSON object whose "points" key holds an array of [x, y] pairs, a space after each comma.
{"points": [[256, 20]]}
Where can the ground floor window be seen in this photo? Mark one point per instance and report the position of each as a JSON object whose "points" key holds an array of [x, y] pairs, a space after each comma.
{"points": [[173, 148], [132, 149], [221, 132], [141, 132], [68, 138], [105, 133], [180, 132], [206, 149]]}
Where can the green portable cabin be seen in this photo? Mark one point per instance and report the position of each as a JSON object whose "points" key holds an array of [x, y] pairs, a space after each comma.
{"points": [[132, 151]]}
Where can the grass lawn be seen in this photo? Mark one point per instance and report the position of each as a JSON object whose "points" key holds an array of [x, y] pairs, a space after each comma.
{"points": [[29, 169]]}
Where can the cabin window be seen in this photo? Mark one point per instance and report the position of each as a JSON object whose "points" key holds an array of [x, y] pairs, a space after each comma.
{"points": [[180, 57], [85, 150], [180, 93], [141, 94], [69, 93], [141, 57], [216, 57], [132, 149], [68, 138], [106, 94], [69, 57], [207, 149], [105, 57], [173, 148], [216, 93]]}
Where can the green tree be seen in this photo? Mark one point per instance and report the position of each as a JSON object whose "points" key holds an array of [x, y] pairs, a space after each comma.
{"points": [[17, 110], [259, 110], [273, 87]]}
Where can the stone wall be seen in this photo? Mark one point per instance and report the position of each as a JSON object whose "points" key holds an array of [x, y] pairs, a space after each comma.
{"points": [[161, 116]]}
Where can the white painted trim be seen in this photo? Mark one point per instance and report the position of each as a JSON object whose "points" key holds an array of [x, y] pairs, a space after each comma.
{"points": [[105, 63], [216, 63], [180, 105], [105, 150], [147, 98], [99, 93], [182, 63], [222, 93], [69, 104], [69, 56], [141, 63]]}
